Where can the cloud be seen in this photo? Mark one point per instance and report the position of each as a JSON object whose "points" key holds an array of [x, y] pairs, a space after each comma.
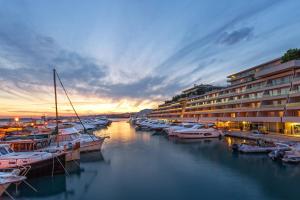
{"points": [[27, 59], [242, 34]]}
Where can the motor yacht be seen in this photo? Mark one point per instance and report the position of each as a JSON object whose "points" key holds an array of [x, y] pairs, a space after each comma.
{"points": [[198, 133], [259, 147], [88, 142], [38, 163], [158, 126], [171, 131]]}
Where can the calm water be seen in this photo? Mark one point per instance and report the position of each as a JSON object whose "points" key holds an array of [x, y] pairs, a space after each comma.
{"points": [[142, 165]]}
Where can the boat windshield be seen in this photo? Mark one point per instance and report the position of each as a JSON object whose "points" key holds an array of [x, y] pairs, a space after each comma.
{"points": [[199, 127], [3, 151], [67, 137], [188, 125]]}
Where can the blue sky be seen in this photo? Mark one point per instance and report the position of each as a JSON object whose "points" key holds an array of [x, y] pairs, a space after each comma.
{"points": [[123, 55]]}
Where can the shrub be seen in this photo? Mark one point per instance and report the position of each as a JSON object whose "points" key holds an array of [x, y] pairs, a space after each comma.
{"points": [[291, 54]]}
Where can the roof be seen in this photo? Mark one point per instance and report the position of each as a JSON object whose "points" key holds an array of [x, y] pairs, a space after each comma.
{"points": [[257, 66]]}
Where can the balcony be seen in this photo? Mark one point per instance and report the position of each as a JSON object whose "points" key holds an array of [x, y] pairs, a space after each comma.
{"points": [[293, 105], [291, 119], [277, 68]]}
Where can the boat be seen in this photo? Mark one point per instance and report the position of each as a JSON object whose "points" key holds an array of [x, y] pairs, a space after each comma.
{"points": [[159, 126], [277, 154], [38, 163], [8, 178], [70, 136], [259, 147], [198, 133], [44, 143], [171, 130], [291, 157], [88, 142]]}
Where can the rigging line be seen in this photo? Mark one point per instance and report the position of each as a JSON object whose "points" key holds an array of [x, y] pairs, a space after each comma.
{"points": [[70, 102], [85, 131]]}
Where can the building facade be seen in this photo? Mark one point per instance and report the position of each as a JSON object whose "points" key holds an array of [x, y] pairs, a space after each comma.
{"points": [[264, 97]]}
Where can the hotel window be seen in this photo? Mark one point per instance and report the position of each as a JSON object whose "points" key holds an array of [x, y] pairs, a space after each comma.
{"points": [[260, 94], [285, 90]]}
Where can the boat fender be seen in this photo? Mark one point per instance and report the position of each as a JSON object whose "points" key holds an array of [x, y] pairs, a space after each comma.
{"points": [[70, 145]]}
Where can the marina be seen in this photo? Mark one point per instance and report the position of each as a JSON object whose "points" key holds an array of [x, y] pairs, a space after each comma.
{"points": [[140, 165], [149, 100]]}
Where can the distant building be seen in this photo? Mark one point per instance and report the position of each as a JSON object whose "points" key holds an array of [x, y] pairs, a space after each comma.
{"points": [[266, 96]]}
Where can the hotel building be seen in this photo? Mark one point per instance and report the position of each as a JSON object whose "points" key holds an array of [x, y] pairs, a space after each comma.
{"points": [[265, 97]]}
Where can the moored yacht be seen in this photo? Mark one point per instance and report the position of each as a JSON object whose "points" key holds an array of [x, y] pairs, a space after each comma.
{"points": [[260, 147], [291, 157], [88, 142], [171, 131], [198, 133], [38, 163]]}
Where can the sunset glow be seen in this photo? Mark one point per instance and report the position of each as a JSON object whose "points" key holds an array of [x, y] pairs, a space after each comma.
{"points": [[115, 58]]}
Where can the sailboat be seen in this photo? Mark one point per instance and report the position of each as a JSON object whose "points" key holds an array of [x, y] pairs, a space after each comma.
{"points": [[69, 135]]}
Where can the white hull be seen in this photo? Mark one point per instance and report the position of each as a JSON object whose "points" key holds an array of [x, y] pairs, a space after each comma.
{"points": [[194, 136], [91, 146], [198, 134], [171, 133], [73, 154], [244, 148]]}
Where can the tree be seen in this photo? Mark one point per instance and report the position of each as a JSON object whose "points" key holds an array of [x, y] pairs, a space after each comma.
{"points": [[291, 54]]}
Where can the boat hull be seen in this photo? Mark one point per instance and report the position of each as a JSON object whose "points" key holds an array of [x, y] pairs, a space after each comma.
{"points": [[72, 155], [91, 146], [183, 136], [193, 135], [48, 167]]}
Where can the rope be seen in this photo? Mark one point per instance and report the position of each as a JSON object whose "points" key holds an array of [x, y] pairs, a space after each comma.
{"points": [[85, 131], [29, 185], [9, 195], [52, 166], [62, 166]]}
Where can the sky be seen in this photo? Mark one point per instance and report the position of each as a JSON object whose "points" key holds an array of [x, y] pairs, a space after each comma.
{"points": [[117, 56]]}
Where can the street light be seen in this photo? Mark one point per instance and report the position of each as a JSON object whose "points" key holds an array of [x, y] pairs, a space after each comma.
{"points": [[17, 119]]}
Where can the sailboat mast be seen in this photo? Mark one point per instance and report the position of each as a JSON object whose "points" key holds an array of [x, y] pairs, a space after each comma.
{"points": [[55, 93]]}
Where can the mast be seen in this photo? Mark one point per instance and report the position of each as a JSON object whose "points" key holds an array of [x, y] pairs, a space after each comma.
{"points": [[84, 129], [62, 85], [55, 93]]}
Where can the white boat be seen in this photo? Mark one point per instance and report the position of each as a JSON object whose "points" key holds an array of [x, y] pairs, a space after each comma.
{"points": [[87, 126], [88, 142], [171, 131], [198, 133], [8, 178], [159, 126], [145, 125], [291, 157], [260, 148], [39, 163]]}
